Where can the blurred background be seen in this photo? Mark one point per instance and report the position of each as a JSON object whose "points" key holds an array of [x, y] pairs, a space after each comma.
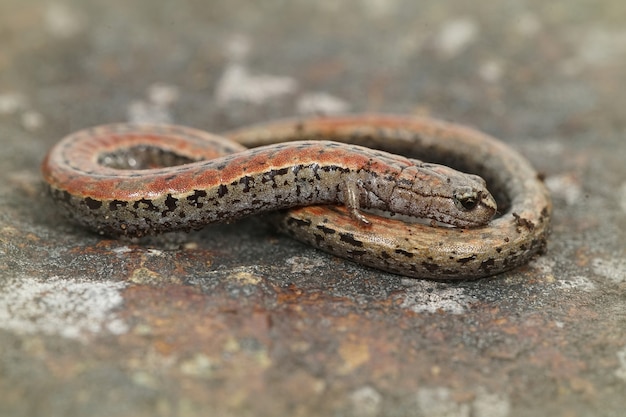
{"points": [[238, 320]]}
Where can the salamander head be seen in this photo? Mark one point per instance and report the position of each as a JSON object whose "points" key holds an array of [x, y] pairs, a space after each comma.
{"points": [[448, 196]]}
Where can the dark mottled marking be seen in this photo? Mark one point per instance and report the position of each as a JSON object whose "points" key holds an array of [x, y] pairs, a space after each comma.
{"points": [[194, 199], [147, 204], [466, 259], [326, 230], [357, 252], [297, 222], [92, 204], [222, 190], [522, 222], [430, 266], [170, 203], [315, 168], [248, 183], [267, 177], [349, 239], [404, 253], [486, 265], [333, 168]]}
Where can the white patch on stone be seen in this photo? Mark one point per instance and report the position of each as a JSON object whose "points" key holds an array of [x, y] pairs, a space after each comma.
{"points": [[321, 103], [11, 103], [304, 264], [491, 71], [163, 94], [613, 269], [577, 282], [566, 186], [66, 307], [156, 109], [492, 405], [366, 402], [597, 47], [237, 84], [455, 36], [120, 250], [62, 21], [32, 120], [620, 372], [140, 111], [602, 46], [425, 297], [543, 265], [438, 402]]}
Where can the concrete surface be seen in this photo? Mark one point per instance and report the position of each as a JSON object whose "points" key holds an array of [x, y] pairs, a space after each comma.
{"points": [[237, 320]]}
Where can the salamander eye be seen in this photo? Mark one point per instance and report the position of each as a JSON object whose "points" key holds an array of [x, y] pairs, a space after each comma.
{"points": [[466, 200]]}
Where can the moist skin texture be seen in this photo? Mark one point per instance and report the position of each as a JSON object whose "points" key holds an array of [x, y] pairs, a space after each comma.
{"points": [[125, 180]]}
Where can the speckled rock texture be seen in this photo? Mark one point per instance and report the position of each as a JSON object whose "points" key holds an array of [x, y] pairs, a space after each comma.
{"points": [[238, 320]]}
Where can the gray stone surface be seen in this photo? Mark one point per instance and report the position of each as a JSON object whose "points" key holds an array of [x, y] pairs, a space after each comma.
{"points": [[237, 320]]}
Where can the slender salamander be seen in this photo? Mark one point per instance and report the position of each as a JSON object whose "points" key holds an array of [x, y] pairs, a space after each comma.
{"points": [[135, 180]]}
